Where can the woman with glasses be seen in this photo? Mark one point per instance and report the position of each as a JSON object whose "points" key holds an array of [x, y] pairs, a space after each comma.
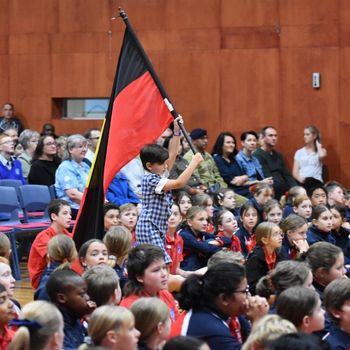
{"points": [[265, 255], [211, 300], [45, 162], [73, 172]]}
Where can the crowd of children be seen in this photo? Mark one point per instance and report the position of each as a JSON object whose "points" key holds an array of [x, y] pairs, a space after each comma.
{"points": [[190, 270]]}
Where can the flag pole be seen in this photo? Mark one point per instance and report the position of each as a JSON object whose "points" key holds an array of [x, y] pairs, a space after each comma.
{"points": [[155, 77]]}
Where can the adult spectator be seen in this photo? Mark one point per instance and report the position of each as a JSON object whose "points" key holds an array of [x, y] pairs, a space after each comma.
{"points": [[92, 136], [273, 163], [134, 172], [248, 163], [48, 129], [224, 152], [8, 119], [29, 140], [61, 143], [10, 168], [13, 133], [207, 170], [73, 172], [45, 162], [308, 160]]}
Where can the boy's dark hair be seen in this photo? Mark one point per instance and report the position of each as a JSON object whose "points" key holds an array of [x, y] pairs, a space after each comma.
{"points": [[184, 343], [61, 281], [153, 153], [101, 281], [340, 210], [297, 341], [139, 259], [55, 206], [335, 295], [109, 206]]}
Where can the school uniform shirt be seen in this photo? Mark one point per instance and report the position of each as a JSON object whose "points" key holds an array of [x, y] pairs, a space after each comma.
{"points": [[257, 266], [247, 240], [259, 210], [236, 243], [337, 339], [343, 242], [163, 295], [197, 249], [209, 325], [174, 247], [11, 169], [6, 337], [122, 273], [288, 251], [41, 293], [156, 209], [315, 235], [37, 256], [287, 210]]}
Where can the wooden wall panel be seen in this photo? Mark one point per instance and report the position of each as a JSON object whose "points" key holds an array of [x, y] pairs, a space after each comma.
{"points": [[296, 12], [84, 16], [249, 92], [73, 75], [4, 49], [31, 44], [4, 18], [344, 11], [243, 13], [4, 77], [34, 16], [303, 105]]}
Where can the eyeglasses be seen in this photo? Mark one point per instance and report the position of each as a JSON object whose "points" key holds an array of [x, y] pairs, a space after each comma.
{"points": [[50, 144], [278, 234], [94, 138], [244, 291]]}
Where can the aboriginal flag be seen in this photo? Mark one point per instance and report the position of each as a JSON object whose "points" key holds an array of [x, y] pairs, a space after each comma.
{"points": [[138, 113]]}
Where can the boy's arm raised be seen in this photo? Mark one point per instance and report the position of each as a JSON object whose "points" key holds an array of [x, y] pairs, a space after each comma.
{"points": [[182, 180]]}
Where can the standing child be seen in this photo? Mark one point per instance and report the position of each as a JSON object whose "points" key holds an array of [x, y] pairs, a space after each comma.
{"points": [[302, 206], [227, 226], [198, 244], [148, 277], [273, 211], [60, 215], [337, 303], [265, 255], [322, 222], [67, 290], [156, 189], [249, 219]]}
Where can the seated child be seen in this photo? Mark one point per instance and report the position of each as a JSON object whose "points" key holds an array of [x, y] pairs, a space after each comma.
{"points": [[153, 322], [156, 189], [262, 193], [102, 285], [148, 277], [302, 206], [60, 216], [198, 244], [40, 327], [112, 327], [61, 252], [226, 226], [322, 222], [302, 307], [205, 201], [249, 219], [287, 199], [273, 211], [265, 255], [337, 304], [128, 215], [225, 199], [294, 243], [110, 215], [318, 195], [184, 202], [182, 342], [5, 246], [6, 314], [93, 252], [67, 290], [118, 244]]}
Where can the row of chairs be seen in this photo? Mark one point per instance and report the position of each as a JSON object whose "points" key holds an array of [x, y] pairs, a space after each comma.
{"points": [[24, 214]]}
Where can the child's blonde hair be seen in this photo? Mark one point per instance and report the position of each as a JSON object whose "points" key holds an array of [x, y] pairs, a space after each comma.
{"points": [[264, 230], [259, 188], [226, 255], [127, 207], [268, 328], [61, 248], [289, 196], [5, 246], [270, 205], [49, 321], [149, 312], [106, 318], [300, 199], [118, 243]]}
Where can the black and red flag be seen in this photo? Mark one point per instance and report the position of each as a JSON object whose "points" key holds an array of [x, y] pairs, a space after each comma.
{"points": [[139, 111]]}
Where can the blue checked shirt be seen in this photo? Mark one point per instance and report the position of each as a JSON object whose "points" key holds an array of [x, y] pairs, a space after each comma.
{"points": [[152, 224], [250, 166]]}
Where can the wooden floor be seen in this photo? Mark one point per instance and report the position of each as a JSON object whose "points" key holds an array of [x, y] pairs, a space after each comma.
{"points": [[23, 291]]}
